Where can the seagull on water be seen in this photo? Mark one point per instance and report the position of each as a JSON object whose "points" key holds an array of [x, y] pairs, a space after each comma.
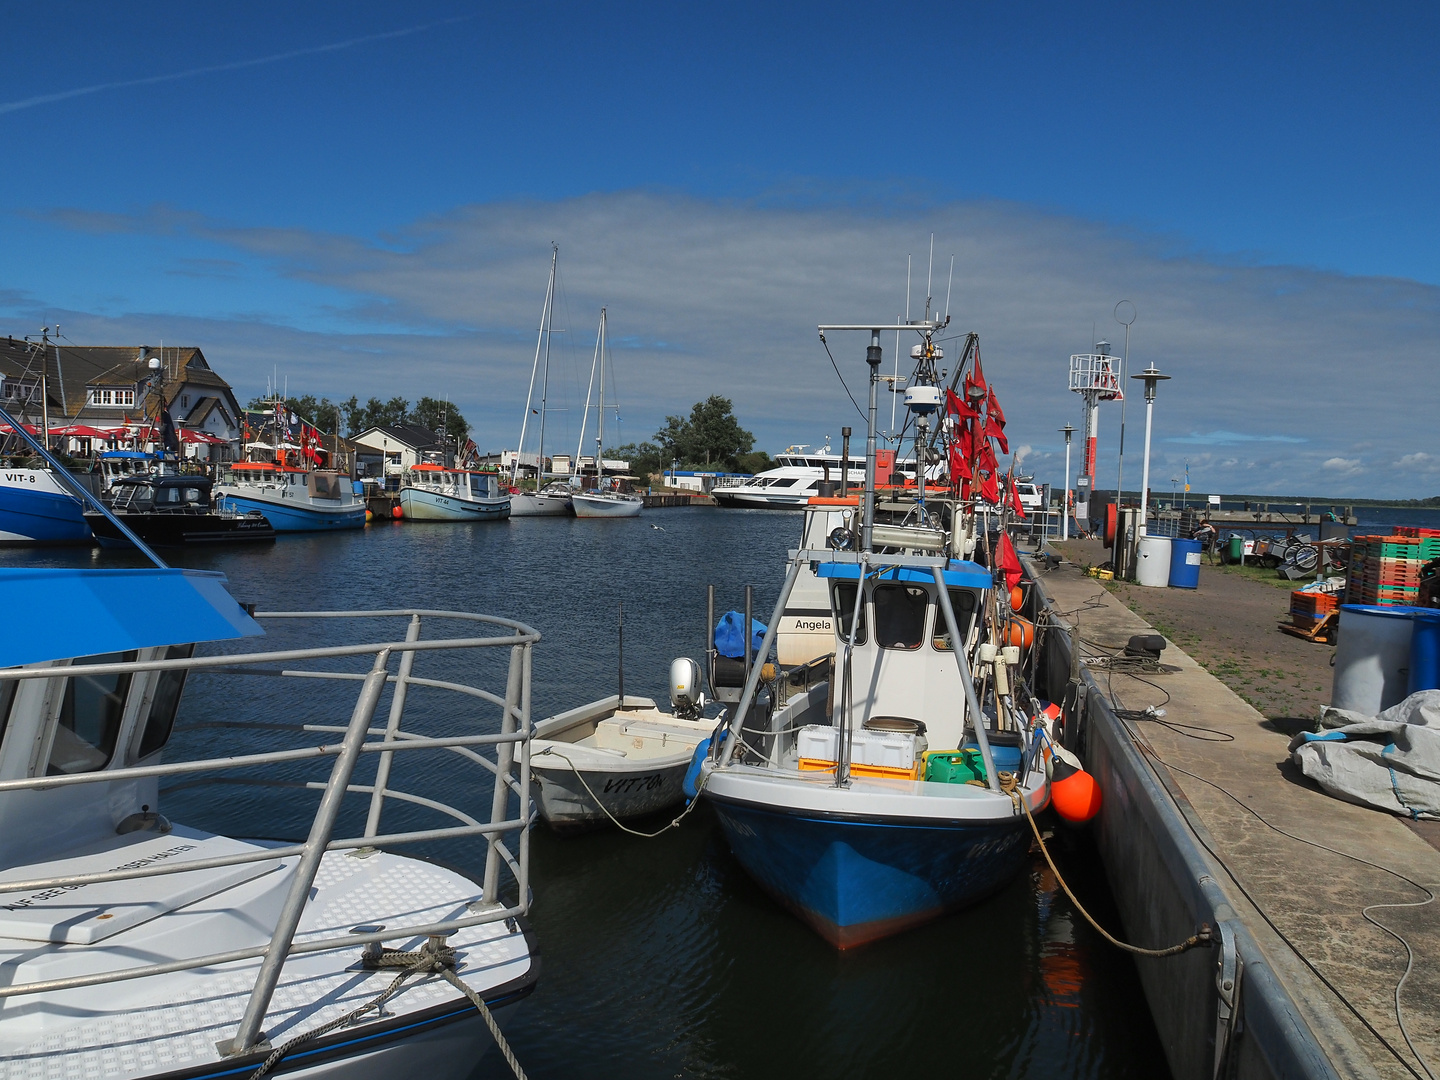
{"points": [[660, 527]]}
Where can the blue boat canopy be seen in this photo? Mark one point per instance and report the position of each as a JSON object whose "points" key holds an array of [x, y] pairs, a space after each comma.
{"points": [[129, 455], [90, 612], [960, 573]]}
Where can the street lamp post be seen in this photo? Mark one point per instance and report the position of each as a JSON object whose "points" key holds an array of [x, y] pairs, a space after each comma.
{"points": [[1067, 431], [1152, 378]]}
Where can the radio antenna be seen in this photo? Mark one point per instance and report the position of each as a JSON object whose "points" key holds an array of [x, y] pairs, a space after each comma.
{"points": [[948, 284]]}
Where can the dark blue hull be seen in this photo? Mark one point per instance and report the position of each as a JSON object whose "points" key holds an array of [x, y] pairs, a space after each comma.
{"points": [[41, 517], [856, 881]]}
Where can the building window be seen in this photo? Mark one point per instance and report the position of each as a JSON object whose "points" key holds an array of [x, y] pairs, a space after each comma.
{"points": [[109, 395], [18, 391], [185, 401]]}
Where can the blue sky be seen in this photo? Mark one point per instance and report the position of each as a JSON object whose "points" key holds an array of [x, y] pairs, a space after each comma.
{"points": [[361, 197]]}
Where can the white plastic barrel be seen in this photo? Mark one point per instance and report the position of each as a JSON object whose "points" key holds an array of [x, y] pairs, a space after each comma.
{"points": [[1152, 568], [1372, 658]]}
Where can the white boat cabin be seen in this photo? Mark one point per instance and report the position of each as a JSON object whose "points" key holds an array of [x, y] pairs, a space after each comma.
{"points": [[902, 666], [454, 483], [287, 481]]}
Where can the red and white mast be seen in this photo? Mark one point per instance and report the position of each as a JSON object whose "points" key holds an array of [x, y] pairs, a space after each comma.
{"points": [[1094, 378]]}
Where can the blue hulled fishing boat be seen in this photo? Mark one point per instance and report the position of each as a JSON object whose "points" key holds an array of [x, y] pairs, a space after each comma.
{"points": [[899, 790]]}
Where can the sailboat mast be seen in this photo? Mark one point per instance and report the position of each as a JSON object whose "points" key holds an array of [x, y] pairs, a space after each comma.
{"points": [[540, 339], [600, 420], [549, 325], [589, 390]]}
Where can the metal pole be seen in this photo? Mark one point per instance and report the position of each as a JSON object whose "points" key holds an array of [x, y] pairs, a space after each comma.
{"points": [[248, 1033], [620, 663], [1145, 468], [844, 461], [504, 759], [873, 357], [1065, 506], [523, 900], [710, 636], [957, 646], [752, 682], [745, 637], [392, 728]]}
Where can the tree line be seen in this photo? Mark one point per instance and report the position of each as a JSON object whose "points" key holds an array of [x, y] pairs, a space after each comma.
{"points": [[350, 417], [710, 439]]}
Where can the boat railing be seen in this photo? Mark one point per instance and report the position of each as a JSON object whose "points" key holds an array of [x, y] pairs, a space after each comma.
{"points": [[505, 754]]}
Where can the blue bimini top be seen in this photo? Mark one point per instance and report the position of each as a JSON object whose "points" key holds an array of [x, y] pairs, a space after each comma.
{"points": [[60, 614], [959, 574]]}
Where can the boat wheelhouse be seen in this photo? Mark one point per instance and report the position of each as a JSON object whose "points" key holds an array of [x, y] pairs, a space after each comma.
{"points": [[174, 509]]}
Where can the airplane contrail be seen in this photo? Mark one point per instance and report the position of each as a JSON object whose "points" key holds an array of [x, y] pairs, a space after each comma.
{"points": [[65, 95]]}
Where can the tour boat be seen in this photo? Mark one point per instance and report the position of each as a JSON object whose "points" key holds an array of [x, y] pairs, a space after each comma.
{"points": [[294, 500], [134, 947], [899, 790], [435, 493]]}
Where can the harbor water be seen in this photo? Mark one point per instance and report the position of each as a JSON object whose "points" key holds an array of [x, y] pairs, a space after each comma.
{"points": [[660, 958]]}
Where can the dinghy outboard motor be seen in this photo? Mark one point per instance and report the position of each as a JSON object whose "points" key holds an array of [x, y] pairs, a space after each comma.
{"points": [[685, 695]]}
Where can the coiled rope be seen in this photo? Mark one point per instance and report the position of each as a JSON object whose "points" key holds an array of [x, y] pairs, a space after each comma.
{"points": [[1010, 785], [433, 958]]}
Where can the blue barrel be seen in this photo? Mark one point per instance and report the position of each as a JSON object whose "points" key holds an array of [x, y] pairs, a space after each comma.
{"points": [[1184, 564], [1424, 649]]}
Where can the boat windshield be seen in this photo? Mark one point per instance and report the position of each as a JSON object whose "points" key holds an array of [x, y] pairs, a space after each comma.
{"points": [[844, 600], [962, 601], [90, 718], [900, 615]]}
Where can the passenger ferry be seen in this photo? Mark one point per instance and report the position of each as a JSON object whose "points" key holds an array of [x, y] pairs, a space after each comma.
{"points": [[797, 478]]}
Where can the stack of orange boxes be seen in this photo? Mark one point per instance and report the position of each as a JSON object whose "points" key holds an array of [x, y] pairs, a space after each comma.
{"points": [[1385, 570], [1308, 609]]}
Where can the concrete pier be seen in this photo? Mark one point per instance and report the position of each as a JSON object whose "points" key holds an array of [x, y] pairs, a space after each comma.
{"points": [[1300, 984]]}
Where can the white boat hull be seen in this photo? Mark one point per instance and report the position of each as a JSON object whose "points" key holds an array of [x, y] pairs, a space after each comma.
{"points": [[538, 504], [588, 504], [417, 504], [637, 768]]}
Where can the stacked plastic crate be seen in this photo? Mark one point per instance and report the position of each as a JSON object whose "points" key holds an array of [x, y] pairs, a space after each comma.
{"points": [[1385, 570], [1308, 609]]}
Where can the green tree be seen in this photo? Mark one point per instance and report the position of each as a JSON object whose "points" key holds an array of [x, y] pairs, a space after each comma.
{"points": [[710, 437], [432, 413], [644, 457]]}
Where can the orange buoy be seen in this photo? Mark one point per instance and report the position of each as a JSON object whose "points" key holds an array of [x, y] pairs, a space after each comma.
{"points": [[396, 513], [369, 517], [1017, 598], [1073, 792], [1022, 632]]}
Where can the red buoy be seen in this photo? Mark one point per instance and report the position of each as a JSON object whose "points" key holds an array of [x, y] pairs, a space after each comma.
{"points": [[1073, 792], [1017, 598], [396, 513]]}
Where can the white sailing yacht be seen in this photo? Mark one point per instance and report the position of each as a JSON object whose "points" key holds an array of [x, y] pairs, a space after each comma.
{"points": [[547, 500], [605, 499]]}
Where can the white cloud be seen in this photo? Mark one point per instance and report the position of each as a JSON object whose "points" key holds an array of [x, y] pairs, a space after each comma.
{"points": [[724, 297], [1419, 460]]}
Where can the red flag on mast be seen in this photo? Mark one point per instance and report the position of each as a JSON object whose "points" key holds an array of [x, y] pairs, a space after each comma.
{"points": [[1009, 562]]}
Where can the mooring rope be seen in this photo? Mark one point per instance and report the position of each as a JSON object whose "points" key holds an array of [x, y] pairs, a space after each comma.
{"points": [[700, 785], [434, 957], [1010, 785]]}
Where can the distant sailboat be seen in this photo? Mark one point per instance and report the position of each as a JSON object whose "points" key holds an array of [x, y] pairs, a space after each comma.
{"points": [[605, 500], [552, 500]]}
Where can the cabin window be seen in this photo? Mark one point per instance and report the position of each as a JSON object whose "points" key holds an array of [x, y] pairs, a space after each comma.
{"points": [[963, 603], [844, 599], [90, 718], [789, 481], [164, 703], [900, 615]]}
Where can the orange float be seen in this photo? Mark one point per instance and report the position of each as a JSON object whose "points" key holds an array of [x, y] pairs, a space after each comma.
{"points": [[396, 513], [1021, 632], [1017, 598], [1073, 792]]}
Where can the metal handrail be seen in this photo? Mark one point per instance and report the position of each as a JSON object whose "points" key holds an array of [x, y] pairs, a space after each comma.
{"points": [[515, 728]]}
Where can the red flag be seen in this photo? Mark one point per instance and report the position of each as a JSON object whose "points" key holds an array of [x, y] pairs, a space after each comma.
{"points": [[996, 432], [1009, 562], [1015, 497], [957, 406], [959, 467], [979, 375], [992, 409], [990, 488], [987, 457]]}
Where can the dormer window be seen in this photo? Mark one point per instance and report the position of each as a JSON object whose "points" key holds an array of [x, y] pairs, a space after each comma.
{"points": [[15, 390], [109, 395]]}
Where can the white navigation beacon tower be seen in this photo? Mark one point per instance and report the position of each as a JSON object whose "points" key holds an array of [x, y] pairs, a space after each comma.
{"points": [[1094, 378]]}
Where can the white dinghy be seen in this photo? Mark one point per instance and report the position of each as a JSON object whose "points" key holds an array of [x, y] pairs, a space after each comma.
{"points": [[604, 762]]}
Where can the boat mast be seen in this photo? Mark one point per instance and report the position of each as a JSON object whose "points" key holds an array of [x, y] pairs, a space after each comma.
{"points": [[589, 390], [549, 325], [540, 338], [600, 419]]}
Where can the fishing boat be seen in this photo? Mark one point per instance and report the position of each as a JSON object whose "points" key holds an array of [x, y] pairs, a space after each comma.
{"points": [[292, 499], [175, 509], [617, 759], [136, 947], [548, 500], [36, 508], [899, 790], [606, 499], [434, 493]]}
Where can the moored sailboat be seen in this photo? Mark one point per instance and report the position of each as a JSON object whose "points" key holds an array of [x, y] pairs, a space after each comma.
{"points": [[547, 500], [605, 499]]}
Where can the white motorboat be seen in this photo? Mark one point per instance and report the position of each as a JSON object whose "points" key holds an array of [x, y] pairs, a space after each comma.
{"points": [[797, 478], [434, 493], [604, 763], [605, 499], [134, 948], [293, 499]]}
